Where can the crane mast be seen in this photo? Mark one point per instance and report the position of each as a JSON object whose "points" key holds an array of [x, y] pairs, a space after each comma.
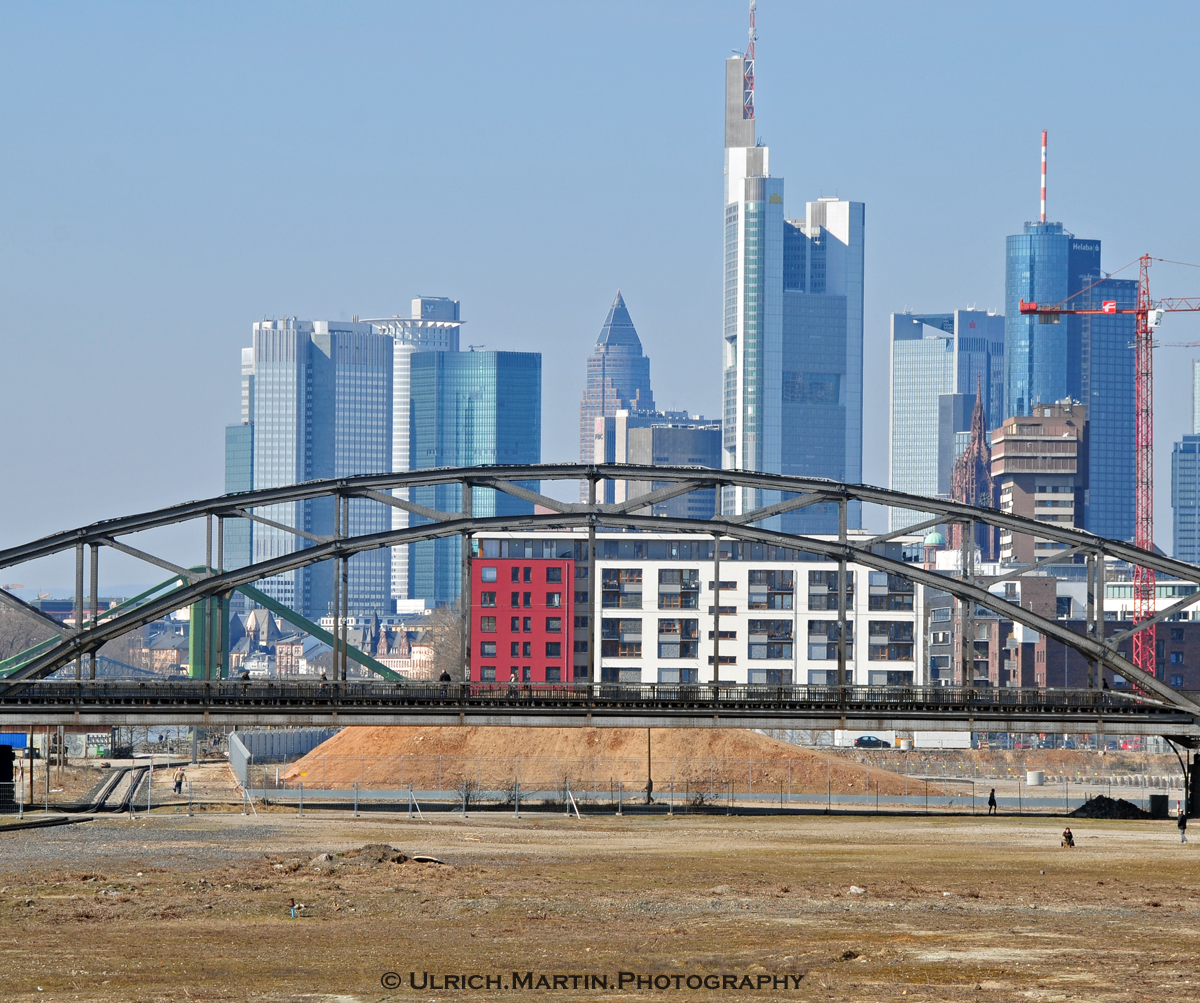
{"points": [[1148, 314]]}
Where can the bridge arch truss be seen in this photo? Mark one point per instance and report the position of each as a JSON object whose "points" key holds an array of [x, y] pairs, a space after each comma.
{"points": [[210, 580]]}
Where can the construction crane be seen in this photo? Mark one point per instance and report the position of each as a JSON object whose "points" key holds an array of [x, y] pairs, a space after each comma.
{"points": [[1149, 315]]}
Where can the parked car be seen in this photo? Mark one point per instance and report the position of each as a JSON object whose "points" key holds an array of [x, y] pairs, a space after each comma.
{"points": [[871, 742]]}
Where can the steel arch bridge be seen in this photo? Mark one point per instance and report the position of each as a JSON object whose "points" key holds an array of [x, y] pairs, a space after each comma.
{"points": [[777, 494]]}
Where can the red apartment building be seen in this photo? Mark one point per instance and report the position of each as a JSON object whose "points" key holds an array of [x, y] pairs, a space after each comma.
{"points": [[522, 620]]}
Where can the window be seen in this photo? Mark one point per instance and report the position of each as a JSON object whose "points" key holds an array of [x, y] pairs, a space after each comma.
{"points": [[581, 623], [525, 673], [487, 673], [1177, 680], [515, 625], [725, 659], [890, 641], [516, 600], [554, 574], [554, 649], [487, 649], [678, 600], [487, 574], [622, 588], [514, 649], [823, 589], [939, 637], [487, 598], [671, 676], [516, 574], [487, 624], [581, 646], [823, 637], [554, 673], [581, 598], [770, 677], [1176, 657], [528, 575], [724, 610], [726, 635], [726, 586], [526, 649], [1176, 633], [554, 625], [527, 600], [678, 638], [940, 614], [554, 600], [621, 649]]}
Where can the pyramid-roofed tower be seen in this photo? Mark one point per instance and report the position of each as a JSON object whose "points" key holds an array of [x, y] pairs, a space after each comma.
{"points": [[618, 376]]}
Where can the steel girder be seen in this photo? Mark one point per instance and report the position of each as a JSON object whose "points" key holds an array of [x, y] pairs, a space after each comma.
{"points": [[624, 515]]}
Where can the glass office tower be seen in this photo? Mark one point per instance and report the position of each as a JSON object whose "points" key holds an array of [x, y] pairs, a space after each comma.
{"points": [[469, 409], [321, 407], [792, 328], [618, 378], [1084, 359], [1185, 484], [1108, 388], [435, 326], [938, 361]]}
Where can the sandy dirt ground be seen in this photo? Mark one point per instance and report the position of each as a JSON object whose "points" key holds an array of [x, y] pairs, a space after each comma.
{"points": [[588, 758], [175, 908]]}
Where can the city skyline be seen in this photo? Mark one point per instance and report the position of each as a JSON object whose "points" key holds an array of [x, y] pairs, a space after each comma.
{"points": [[129, 247]]}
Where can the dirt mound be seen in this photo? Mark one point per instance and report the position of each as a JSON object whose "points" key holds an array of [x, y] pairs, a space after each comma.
{"points": [[587, 758], [377, 853], [1106, 807]]}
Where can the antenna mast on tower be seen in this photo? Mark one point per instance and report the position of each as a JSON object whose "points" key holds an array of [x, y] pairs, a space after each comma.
{"points": [[1043, 172], [748, 72]]}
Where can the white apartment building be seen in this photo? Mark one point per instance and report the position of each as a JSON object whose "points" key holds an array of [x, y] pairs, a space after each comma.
{"points": [[657, 622]]}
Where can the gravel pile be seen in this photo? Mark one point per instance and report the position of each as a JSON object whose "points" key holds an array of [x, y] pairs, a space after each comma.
{"points": [[1106, 807]]}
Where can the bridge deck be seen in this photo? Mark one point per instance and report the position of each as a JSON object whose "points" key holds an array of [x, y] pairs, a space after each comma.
{"points": [[933, 708]]}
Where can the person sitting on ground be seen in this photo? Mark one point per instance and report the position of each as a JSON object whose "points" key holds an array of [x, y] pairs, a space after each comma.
{"points": [[1068, 838]]}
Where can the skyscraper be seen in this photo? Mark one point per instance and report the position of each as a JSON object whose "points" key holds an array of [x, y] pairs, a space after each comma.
{"points": [[618, 377], [468, 409], [1185, 484], [239, 470], [1086, 359], [434, 326], [793, 309], [937, 362], [321, 406]]}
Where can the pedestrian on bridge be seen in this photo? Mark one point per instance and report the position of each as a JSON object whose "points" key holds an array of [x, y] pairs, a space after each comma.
{"points": [[992, 802], [1182, 823]]}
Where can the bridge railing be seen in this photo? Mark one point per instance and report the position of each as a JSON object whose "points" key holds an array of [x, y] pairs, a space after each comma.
{"points": [[276, 692]]}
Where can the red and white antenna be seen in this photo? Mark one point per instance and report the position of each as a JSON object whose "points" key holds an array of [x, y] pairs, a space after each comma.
{"points": [[748, 69], [1043, 175]]}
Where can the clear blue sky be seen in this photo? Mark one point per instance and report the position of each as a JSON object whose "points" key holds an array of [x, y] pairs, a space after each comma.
{"points": [[173, 172]]}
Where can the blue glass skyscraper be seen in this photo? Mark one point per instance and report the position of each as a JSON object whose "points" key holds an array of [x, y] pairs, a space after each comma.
{"points": [[468, 409], [321, 407], [1085, 359]]}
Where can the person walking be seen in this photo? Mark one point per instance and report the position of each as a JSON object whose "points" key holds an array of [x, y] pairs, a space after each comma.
{"points": [[443, 679], [992, 802], [1182, 823], [177, 780]]}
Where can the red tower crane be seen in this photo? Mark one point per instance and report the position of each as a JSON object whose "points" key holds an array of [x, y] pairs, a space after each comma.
{"points": [[1149, 315]]}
